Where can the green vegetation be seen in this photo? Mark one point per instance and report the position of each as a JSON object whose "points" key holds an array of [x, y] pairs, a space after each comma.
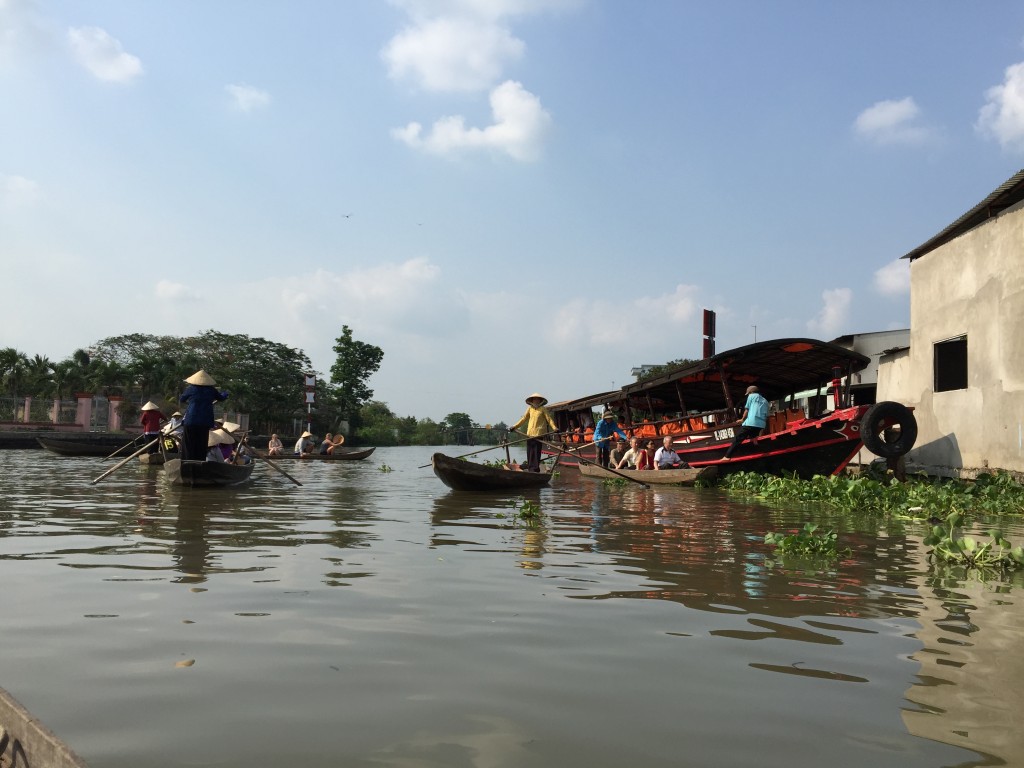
{"points": [[385, 468], [945, 503], [806, 543]]}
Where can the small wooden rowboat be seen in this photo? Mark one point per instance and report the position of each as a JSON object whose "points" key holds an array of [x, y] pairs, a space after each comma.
{"points": [[346, 454], [73, 448], [464, 475], [25, 741], [210, 474], [688, 476]]}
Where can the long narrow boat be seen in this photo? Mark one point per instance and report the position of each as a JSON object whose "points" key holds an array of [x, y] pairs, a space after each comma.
{"points": [[75, 448], [653, 477], [24, 741], [348, 454], [698, 404], [207, 473], [462, 475]]}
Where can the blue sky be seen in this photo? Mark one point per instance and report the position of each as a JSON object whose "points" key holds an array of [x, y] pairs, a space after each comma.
{"points": [[506, 196]]}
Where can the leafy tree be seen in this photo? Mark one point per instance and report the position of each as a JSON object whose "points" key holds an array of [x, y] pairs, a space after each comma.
{"points": [[459, 428], [657, 370], [13, 370], [356, 362]]}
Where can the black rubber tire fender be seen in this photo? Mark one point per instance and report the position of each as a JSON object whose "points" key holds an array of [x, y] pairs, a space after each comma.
{"points": [[880, 417]]}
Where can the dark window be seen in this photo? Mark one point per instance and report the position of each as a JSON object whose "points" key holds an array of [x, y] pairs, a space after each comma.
{"points": [[951, 364]]}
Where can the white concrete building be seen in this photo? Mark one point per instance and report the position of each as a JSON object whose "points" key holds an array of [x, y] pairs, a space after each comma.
{"points": [[963, 371]]}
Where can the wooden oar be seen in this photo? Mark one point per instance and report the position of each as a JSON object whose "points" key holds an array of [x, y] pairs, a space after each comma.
{"points": [[120, 464], [588, 461], [483, 450], [129, 444], [245, 440]]}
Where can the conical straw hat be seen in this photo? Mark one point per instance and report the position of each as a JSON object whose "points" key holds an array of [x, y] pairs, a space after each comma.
{"points": [[201, 378], [150, 406]]}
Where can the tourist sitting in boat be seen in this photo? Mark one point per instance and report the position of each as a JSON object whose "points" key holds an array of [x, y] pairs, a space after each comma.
{"points": [[338, 441], [666, 456], [274, 446], [151, 418], [630, 457], [305, 446], [603, 434], [753, 419], [173, 426], [645, 458], [619, 450], [219, 446], [325, 446]]}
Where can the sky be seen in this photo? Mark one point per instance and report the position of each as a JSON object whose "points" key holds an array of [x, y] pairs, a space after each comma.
{"points": [[506, 196]]}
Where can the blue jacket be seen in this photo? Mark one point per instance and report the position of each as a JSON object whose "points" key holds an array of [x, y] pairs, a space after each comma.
{"points": [[605, 429], [200, 399]]}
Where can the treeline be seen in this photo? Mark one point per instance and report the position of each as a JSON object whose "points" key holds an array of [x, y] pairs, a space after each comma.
{"points": [[265, 379]]}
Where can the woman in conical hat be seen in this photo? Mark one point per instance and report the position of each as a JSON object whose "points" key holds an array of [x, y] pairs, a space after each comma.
{"points": [[538, 423], [150, 420], [199, 397]]}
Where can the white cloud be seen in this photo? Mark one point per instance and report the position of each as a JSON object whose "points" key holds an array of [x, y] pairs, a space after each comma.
{"points": [[893, 122], [103, 55], [1002, 118], [169, 291], [520, 124], [894, 278], [452, 54], [834, 315], [603, 323], [17, 190], [246, 98]]}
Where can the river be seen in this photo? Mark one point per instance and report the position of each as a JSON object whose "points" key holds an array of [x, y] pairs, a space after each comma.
{"points": [[372, 617]]}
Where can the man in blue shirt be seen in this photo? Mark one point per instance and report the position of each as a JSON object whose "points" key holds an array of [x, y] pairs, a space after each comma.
{"points": [[603, 432], [754, 418]]}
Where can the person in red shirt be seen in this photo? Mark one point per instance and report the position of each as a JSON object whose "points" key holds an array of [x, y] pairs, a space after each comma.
{"points": [[151, 419]]}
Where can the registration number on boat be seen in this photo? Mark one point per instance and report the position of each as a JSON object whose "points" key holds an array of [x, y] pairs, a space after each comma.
{"points": [[724, 434]]}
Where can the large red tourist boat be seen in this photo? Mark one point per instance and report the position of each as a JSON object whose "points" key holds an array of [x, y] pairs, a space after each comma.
{"points": [[698, 405]]}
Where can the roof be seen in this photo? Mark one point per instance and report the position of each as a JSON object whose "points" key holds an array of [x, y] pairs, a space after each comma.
{"points": [[585, 402], [1008, 194], [777, 367]]}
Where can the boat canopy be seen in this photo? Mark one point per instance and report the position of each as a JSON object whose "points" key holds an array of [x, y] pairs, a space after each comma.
{"points": [[778, 368]]}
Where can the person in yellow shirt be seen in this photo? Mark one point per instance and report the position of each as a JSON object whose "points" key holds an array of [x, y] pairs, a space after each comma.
{"points": [[538, 423]]}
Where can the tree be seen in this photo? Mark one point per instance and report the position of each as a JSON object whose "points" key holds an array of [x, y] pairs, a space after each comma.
{"points": [[356, 362], [458, 427], [657, 370]]}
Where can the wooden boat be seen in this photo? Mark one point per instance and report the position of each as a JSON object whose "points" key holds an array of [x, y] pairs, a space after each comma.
{"points": [[653, 477], [347, 454], [76, 448], [462, 475], [24, 741], [698, 404], [207, 473]]}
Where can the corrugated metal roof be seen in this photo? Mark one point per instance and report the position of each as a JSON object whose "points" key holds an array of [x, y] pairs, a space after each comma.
{"points": [[1008, 194]]}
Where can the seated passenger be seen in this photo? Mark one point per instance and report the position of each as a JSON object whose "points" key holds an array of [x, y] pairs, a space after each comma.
{"points": [[275, 446], [338, 441]]}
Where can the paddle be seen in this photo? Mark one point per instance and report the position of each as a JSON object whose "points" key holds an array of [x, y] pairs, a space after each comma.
{"points": [[483, 450], [588, 461], [245, 440], [128, 445], [120, 464]]}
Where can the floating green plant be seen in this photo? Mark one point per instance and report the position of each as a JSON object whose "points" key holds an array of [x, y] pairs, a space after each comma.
{"points": [[949, 546], [806, 542]]}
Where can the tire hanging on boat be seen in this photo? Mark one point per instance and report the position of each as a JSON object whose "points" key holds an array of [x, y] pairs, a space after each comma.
{"points": [[882, 417]]}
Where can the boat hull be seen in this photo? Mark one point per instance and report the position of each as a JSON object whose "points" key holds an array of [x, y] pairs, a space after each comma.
{"points": [[72, 448], [462, 475], [349, 454], [687, 477], [207, 474]]}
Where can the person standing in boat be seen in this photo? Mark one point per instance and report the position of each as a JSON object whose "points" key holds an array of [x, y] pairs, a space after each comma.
{"points": [[151, 419], [199, 396], [753, 420], [603, 432], [535, 420]]}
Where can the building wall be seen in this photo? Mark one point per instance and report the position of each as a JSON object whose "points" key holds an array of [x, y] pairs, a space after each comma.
{"points": [[973, 285]]}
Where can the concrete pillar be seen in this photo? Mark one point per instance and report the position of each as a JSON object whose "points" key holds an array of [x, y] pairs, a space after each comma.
{"points": [[27, 416], [55, 411], [114, 413], [83, 416]]}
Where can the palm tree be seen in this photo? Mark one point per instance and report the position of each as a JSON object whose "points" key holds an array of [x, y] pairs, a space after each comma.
{"points": [[13, 369]]}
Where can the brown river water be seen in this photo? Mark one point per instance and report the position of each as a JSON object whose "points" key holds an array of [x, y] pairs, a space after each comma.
{"points": [[375, 618]]}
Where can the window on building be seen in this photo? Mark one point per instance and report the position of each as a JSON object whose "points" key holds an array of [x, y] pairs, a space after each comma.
{"points": [[951, 364]]}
